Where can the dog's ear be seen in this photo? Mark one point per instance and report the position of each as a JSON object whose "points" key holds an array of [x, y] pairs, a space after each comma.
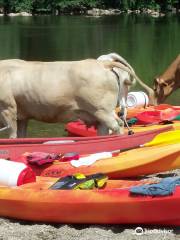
{"points": [[161, 81]]}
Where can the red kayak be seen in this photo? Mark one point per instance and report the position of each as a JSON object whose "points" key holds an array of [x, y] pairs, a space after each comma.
{"points": [[78, 128], [14, 151], [52, 139], [146, 117]]}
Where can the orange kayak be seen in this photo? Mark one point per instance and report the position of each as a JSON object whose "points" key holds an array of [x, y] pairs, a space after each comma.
{"points": [[110, 205], [166, 110], [142, 161]]}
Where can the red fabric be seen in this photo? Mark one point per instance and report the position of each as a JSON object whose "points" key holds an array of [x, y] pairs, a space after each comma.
{"points": [[41, 158], [157, 116]]}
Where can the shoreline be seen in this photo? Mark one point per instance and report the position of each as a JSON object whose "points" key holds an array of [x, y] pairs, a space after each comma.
{"points": [[95, 12]]}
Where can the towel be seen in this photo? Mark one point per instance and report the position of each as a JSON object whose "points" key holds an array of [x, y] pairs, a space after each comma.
{"points": [[89, 160], [40, 158], [164, 188]]}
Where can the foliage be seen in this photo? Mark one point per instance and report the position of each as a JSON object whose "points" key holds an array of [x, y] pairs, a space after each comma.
{"points": [[22, 6], [82, 5], [76, 5]]}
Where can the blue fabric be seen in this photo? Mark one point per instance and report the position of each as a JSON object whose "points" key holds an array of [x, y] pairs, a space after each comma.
{"points": [[164, 188]]}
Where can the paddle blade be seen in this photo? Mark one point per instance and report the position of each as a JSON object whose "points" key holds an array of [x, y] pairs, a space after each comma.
{"points": [[164, 138]]}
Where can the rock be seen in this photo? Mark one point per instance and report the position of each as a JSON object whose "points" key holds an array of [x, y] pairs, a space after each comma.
{"points": [[157, 14], [116, 11], [14, 14], [99, 12], [137, 11], [129, 11], [94, 11], [25, 14]]}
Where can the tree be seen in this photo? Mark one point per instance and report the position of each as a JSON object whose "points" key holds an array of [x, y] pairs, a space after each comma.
{"points": [[51, 6], [5, 5], [22, 6]]}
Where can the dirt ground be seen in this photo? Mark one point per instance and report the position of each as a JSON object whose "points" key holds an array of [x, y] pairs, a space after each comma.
{"points": [[15, 230]]}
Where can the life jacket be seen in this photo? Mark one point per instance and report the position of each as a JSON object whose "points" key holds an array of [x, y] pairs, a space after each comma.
{"points": [[80, 181]]}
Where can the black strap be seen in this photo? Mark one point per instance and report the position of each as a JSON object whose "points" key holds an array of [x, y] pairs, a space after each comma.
{"points": [[145, 104], [118, 82]]}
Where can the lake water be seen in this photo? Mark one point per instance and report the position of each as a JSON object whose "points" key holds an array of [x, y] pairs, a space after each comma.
{"points": [[148, 44]]}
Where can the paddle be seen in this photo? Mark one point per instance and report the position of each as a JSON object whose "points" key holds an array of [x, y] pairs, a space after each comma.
{"points": [[164, 138], [169, 137]]}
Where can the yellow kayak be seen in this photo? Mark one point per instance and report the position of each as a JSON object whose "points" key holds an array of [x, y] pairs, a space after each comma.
{"points": [[141, 161]]}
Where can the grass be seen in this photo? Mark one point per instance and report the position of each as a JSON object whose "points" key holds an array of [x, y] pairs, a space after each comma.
{"points": [[40, 129]]}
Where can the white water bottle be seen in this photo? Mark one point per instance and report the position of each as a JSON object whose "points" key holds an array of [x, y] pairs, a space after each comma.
{"points": [[137, 99], [15, 173]]}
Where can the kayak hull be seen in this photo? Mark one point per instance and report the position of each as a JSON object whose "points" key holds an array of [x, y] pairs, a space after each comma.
{"points": [[35, 202]]}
